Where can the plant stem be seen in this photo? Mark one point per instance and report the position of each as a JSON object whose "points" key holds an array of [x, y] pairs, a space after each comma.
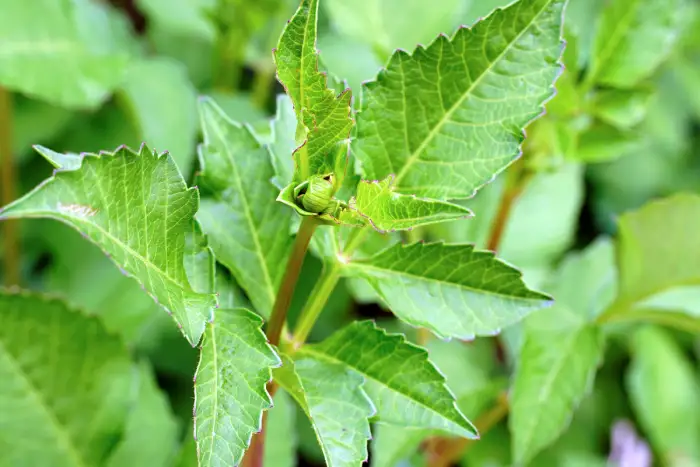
{"points": [[517, 185], [323, 289], [262, 86], [289, 281], [445, 452], [8, 177]]}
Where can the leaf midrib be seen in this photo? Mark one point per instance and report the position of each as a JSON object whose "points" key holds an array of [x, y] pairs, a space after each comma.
{"points": [[416, 154], [358, 265], [611, 44], [36, 394], [246, 208], [332, 359]]}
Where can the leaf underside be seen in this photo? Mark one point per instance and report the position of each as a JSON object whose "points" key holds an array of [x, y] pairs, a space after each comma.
{"points": [[453, 290], [137, 208], [230, 386]]}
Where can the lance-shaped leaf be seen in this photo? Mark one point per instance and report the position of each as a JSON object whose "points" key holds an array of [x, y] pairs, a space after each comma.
{"points": [[633, 38], [230, 386], [387, 210], [333, 398], [561, 351], [448, 118], [137, 208], [247, 228], [453, 290], [283, 129], [403, 384], [323, 117], [66, 384]]}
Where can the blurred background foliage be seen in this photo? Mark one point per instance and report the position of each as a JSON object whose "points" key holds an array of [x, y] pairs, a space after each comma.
{"points": [[97, 74]]}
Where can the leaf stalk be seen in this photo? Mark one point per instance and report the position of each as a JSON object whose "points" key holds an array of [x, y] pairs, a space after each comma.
{"points": [[8, 177]]}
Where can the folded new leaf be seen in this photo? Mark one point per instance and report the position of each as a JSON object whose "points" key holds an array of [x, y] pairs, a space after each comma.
{"points": [[324, 119], [403, 384], [138, 209], [333, 399], [387, 210], [230, 386], [449, 117], [453, 290]]}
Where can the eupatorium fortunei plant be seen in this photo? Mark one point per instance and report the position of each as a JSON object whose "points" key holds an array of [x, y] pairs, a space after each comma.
{"points": [[364, 180]]}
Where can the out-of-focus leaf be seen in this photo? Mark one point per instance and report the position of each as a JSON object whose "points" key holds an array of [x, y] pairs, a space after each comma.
{"points": [[403, 384], [560, 353], [622, 108], [35, 122], [449, 117], [151, 432], [348, 59], [658, 250], [391, 444], [137, 208], [230, 386], [69, 53], [543, 220], [247, 228], [187, 17], [333, 399], [665, 395], [453, 290], [161, 100], [604, 142], [66, 384], [280, 449], [633, 38], [392, 24]]}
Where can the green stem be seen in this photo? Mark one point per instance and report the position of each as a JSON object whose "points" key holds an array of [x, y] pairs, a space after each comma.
{"points": [[262, 86], [289, 281], [230, 61], [8, 177], [324, 287]]}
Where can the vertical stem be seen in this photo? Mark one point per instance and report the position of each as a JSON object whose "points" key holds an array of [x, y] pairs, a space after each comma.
{"points": [[8, 177], [262, 86], [323, 289], [289, 281]]}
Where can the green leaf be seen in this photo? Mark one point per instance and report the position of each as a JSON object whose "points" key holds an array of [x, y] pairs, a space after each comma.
{"points": [[448, 118], [151, 432], [230, 386], [392, 24], [403, 384], [665, 396], [324, 118], [350, 60], [560, 353], [603, 142], [658, 249], [332, 398], [137, 208], [622, 108], [392, 444], [280, 450], [389, 211], [453, 290], [68, 162], [248, 230], [283, 141], [65, 383], [633, 38], [69, 53], [183, 16], [156, 84], [543, 220]]}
